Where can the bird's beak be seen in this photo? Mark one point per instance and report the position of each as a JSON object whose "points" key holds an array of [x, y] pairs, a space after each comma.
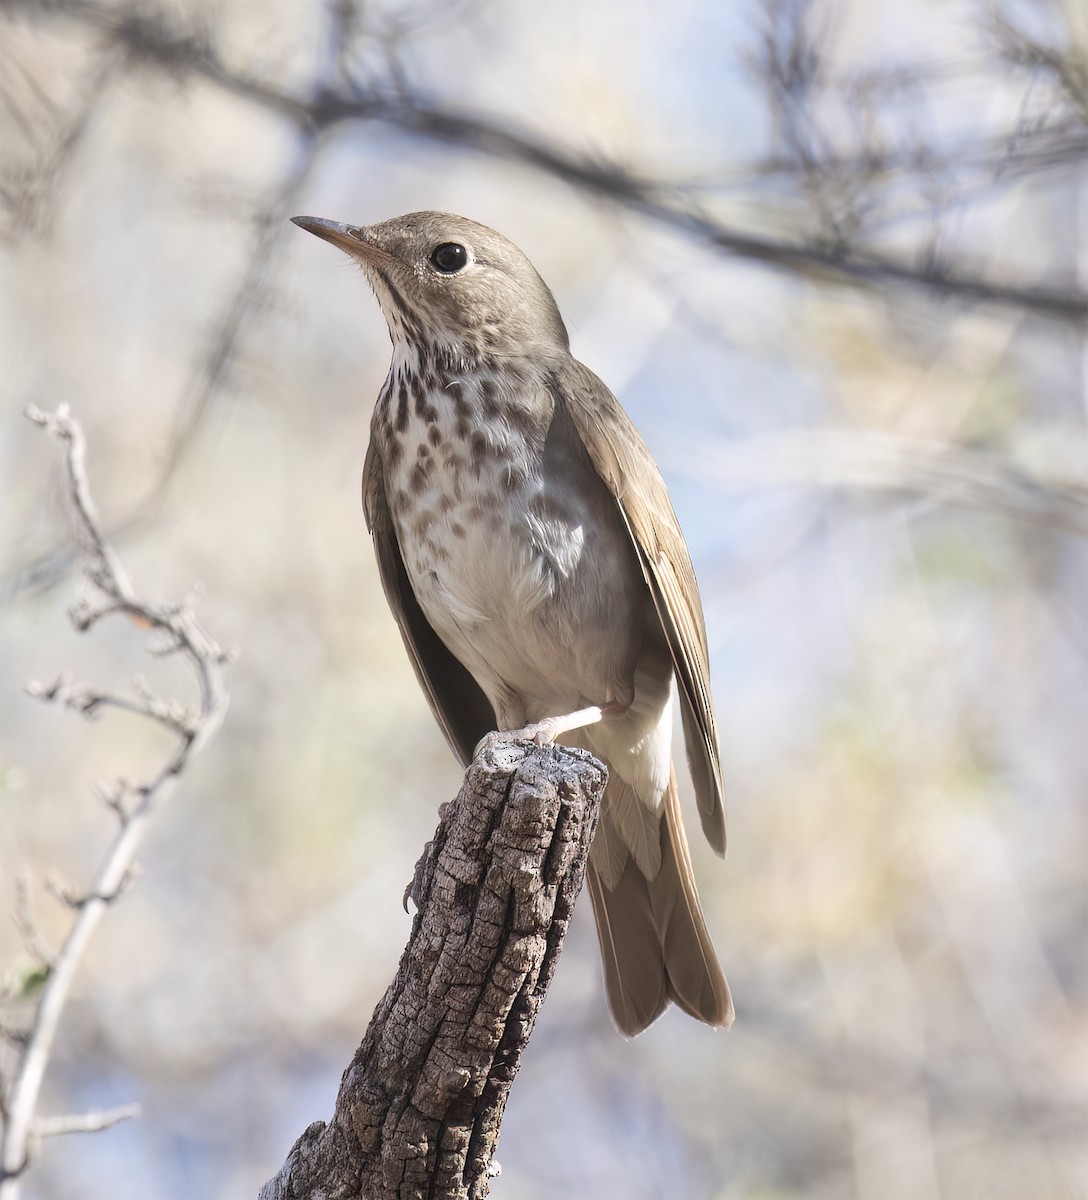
{"points": [[352, 239]]}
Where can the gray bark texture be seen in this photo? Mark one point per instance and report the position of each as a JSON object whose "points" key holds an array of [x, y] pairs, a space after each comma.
{"points": [[421, 1104]]}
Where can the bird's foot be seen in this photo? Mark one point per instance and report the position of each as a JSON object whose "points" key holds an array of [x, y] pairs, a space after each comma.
{"points": [[543, 733]]}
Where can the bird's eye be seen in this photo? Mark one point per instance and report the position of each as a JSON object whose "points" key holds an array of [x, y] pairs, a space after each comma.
{"points": [[449, 258]]}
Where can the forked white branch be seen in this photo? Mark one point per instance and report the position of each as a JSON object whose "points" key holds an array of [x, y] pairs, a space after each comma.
{"points": [[173, 629]]}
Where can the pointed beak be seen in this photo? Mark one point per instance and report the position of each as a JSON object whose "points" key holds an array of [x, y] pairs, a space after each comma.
{"points": [[352, 239]]}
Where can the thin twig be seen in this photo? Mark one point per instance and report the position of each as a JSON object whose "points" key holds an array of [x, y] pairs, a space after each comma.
{"points": [[89, 1122], [35, 944], [89, 703]]}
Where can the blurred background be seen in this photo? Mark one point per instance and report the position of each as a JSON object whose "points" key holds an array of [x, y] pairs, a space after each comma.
{"points": [[831, 258]]}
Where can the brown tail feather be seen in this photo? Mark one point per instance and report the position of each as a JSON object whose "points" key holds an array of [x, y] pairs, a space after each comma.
{"points": [[654, 941], [696, 981], [634, 970]]}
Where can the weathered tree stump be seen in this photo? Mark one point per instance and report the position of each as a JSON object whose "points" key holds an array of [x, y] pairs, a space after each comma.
{"points": [[420, 1106]]}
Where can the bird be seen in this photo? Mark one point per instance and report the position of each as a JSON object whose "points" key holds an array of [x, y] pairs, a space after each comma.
{"points": [[532, 559]]}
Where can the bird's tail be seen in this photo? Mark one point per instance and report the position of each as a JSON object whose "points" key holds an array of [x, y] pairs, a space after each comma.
{"points": [[654, 941]]}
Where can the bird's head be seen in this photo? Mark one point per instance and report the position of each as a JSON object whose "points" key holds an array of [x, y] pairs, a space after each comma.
{"points": [[450, 284]]}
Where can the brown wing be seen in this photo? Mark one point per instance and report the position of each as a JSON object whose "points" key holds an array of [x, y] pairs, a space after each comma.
{"points": [[627, 468], [456, 699]]}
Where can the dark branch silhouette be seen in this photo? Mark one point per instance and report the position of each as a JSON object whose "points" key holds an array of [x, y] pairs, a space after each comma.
{"points": [[153, 41]]}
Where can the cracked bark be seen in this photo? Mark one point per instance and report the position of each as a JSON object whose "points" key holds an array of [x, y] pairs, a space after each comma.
{"points": [[421, 1104]]}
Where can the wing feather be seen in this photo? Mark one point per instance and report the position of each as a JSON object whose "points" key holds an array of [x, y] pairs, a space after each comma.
{"points": [[627, 468]]}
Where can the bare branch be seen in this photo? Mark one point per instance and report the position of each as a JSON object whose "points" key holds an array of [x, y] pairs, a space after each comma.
{"points": [[269, 228], [103, 566], [1070, 71], [89, 1122], [113, 592], [155, 42], [207, 378], [878, 461], [29, 194], [89, 703]]}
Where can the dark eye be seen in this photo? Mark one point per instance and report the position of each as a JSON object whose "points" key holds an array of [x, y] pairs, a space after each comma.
{"points": [[449, 258]]}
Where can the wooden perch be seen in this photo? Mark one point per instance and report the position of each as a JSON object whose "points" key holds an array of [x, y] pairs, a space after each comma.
{"points": [[420, 1106]]}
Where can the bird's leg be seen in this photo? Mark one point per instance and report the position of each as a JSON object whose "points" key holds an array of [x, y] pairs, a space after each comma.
{"points": [[544, 732]]}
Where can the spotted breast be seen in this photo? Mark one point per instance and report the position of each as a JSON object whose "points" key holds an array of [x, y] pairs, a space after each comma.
{"points": [[497, 518]]}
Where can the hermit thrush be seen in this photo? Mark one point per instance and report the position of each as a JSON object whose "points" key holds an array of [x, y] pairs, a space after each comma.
{"points": [[542, 586]]}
